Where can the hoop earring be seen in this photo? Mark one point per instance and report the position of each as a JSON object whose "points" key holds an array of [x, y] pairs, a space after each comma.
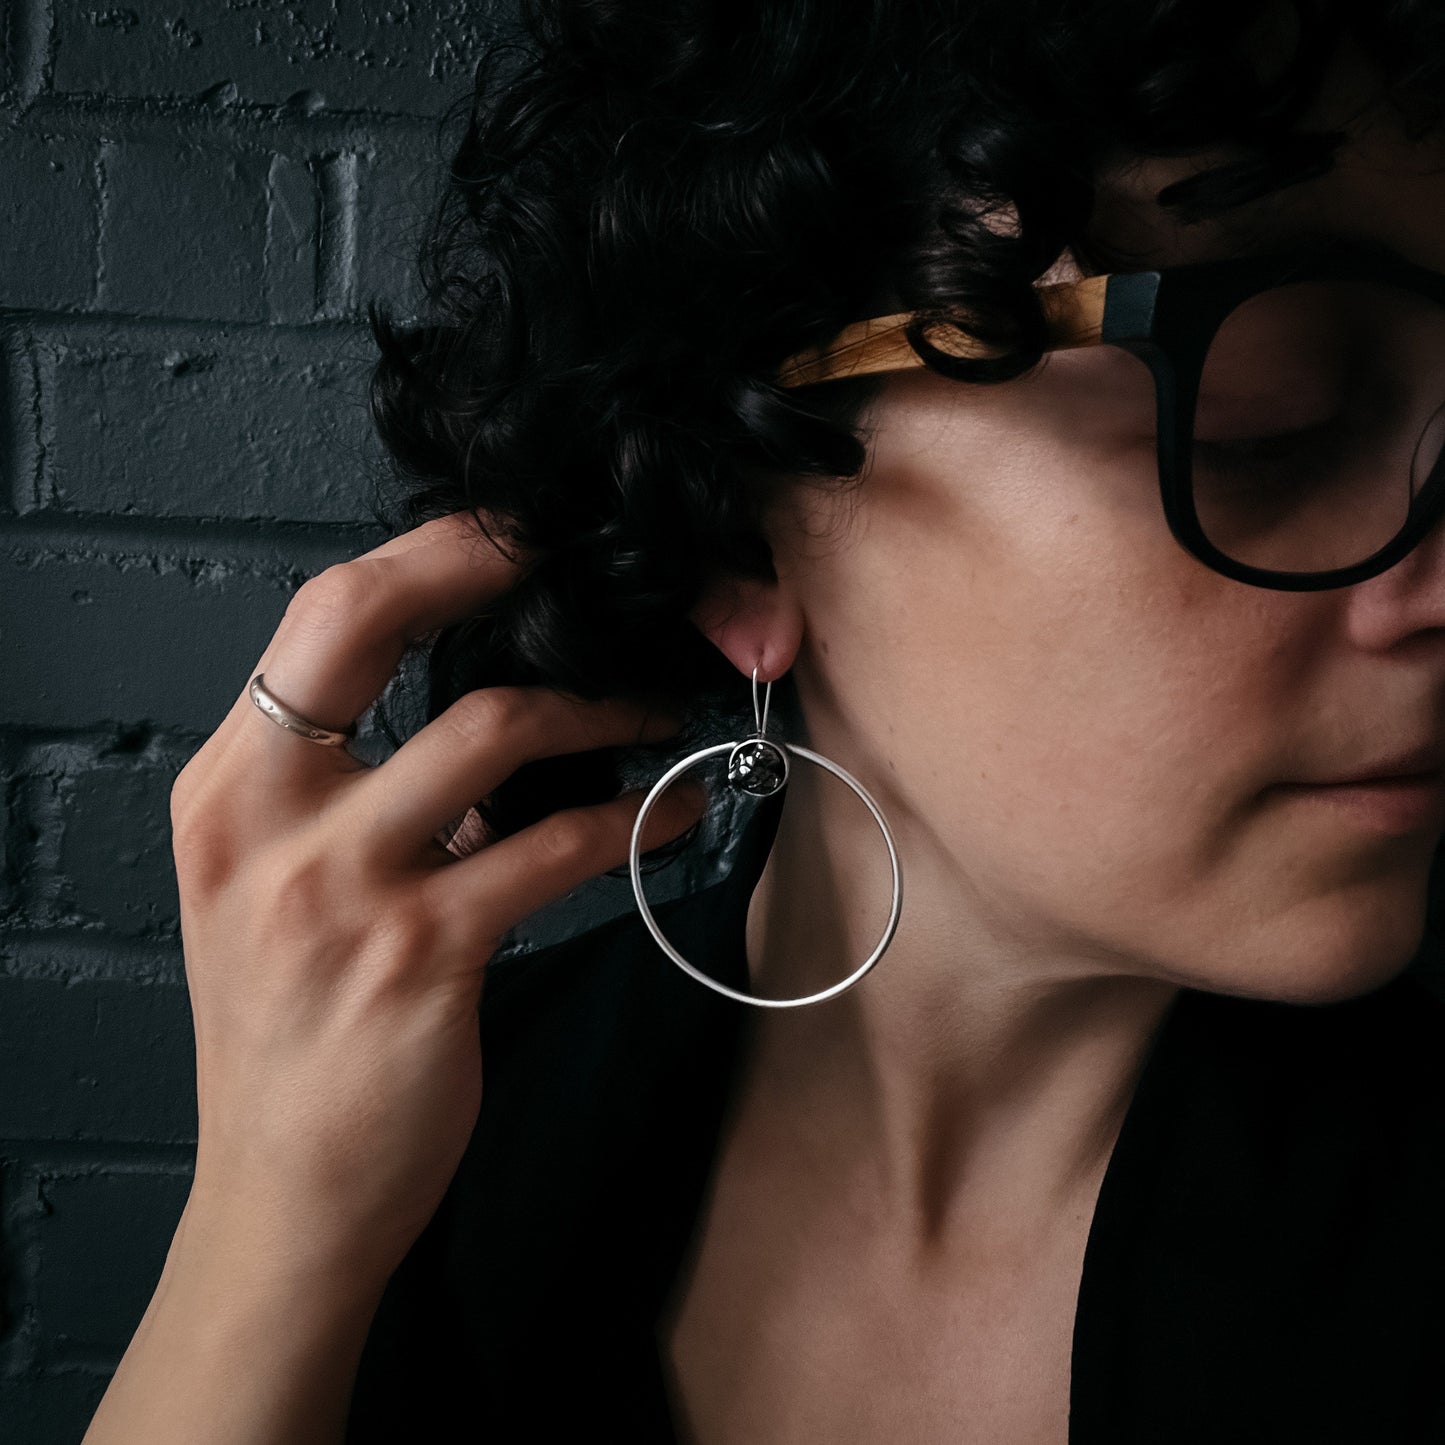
{"points": [[759, 766]]}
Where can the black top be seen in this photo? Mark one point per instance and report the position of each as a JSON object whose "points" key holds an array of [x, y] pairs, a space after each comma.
{"points": [[1266, 1261]]}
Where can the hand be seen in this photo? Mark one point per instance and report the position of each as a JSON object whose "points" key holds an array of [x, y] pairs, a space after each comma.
{"points": [[334, 950]]}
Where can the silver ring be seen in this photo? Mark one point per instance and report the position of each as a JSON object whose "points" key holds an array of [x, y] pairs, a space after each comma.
{"points": [[272, 707], [712, 983]]}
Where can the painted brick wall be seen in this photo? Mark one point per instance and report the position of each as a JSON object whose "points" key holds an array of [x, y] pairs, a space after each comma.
{"points": [[199, 201]]}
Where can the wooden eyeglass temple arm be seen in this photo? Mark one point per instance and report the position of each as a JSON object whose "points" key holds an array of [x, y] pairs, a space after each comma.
{"points": [[1074, 311]]}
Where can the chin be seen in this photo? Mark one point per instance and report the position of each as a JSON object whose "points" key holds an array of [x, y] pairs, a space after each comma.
{"points": [[1340, 954]]}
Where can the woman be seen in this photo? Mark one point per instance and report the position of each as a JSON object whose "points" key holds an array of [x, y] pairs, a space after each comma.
{"points": [[1131, 1135]]}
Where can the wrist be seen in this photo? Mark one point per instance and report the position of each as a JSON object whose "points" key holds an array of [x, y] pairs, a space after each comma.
{"points": [[234, 1305], [273, 1252]]}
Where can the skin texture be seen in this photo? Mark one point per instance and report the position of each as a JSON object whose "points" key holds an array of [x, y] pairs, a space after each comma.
{"points": [[1073, 728], [335, 953]]}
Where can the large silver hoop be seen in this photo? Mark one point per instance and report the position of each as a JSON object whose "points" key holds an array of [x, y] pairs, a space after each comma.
{"points": [[741, 774]]}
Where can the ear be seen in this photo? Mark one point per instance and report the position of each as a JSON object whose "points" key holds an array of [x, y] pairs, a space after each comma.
{"points": [[753, 622]]}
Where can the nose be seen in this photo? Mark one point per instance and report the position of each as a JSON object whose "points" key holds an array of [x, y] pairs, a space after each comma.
{"points": [[1406, 599]]}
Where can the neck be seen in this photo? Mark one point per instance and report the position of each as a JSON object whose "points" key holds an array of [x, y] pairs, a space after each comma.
{"points": [[976, 1078]]}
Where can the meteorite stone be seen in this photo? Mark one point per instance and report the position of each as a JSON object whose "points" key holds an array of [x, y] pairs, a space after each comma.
{"points": [[757, 767]]}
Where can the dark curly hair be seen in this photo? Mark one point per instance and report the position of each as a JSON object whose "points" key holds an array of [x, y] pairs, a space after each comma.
{"points": [[653, 205]]}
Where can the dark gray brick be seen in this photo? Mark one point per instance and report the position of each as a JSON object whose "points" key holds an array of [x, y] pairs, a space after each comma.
{"points": [[86, 640], [49, 1410], [96, 1059], [34, 890], [115, 844], [184, 232], [101, 831], [293, 233], [26, 381], [24, 37], [50, 204], [184, 438], [241, 425], [15, 844], [338, 250], [370, 55], [396, 188], [100, 1247]]}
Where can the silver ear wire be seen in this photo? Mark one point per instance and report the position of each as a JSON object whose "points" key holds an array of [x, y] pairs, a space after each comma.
{"points": [[759, 766], [761, 718]]}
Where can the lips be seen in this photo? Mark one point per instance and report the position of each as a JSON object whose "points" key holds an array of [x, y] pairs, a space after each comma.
{"points": [[1422, 764], [1389, 807]]}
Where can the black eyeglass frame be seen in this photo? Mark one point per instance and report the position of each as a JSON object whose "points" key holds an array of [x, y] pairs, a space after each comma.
{"points": [[1168, 318]]}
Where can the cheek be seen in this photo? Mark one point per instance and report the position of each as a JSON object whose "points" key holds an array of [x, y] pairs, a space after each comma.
{"points": [[1051, 681], [1083, 718], [1040, 616]]}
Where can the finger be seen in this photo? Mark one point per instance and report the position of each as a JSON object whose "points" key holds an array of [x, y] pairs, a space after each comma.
{"points": [[345, 632], [510, 879], [344, 635], [467, 751], [346, 628]]}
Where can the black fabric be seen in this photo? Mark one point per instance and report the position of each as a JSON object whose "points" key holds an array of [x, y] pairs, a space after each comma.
{"points": [[1266, 1261]]}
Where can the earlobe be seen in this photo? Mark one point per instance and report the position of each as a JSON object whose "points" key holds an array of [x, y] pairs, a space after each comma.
{"points": [[753, 622]]}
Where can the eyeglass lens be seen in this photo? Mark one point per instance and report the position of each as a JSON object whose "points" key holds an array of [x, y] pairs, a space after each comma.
{"points": [[1320, 416]]}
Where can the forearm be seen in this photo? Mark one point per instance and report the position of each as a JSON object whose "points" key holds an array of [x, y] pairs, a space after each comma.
{"points": [[242, 1344]]}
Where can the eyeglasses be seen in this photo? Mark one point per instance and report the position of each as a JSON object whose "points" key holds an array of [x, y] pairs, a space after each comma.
{"points": [[1299, 400]]}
